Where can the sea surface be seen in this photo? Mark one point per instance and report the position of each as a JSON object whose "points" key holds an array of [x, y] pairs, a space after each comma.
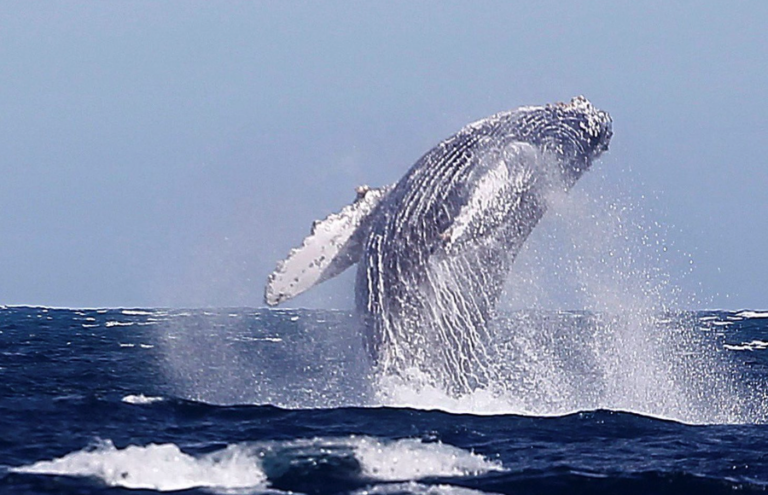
{"points": [[265, 401]]}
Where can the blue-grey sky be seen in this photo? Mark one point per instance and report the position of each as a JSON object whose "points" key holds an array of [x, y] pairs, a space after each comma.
{"points": [[168, 153]]}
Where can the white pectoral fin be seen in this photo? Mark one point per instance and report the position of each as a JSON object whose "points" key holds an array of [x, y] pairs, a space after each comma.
{"points": [[334, 244], [494, 189]]}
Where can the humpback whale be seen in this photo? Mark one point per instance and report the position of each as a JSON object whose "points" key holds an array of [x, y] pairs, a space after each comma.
{"points": [[433, 249]]}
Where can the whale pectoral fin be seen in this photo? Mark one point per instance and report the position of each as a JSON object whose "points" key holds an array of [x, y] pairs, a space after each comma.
{"points": [[334, 244], [496, 188]]}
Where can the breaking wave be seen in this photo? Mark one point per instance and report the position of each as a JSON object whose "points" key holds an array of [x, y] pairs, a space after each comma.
{"points": [[261, 465]]}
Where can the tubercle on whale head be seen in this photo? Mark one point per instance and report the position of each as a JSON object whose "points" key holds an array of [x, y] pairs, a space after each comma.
{"points": [[576, 133], [594, 125]]}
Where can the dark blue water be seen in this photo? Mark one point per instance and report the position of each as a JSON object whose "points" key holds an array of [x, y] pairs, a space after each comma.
{"points": [[256, 401]]}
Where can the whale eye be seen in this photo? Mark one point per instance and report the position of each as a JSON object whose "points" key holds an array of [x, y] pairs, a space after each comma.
{"points": [[605, 137]]}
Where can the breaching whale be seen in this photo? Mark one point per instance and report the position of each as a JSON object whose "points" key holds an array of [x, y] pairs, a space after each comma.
{"points": [[433, 249]]}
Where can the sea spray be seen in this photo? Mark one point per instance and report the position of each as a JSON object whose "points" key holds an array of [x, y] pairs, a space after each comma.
{"points": [[286, 358], [629, 344]]}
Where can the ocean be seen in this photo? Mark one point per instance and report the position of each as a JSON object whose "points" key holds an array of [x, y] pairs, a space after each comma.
{"points": [[285, 401]]}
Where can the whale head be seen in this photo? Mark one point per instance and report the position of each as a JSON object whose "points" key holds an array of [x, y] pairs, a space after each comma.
{"points": [[593, 127], [574, 133]]}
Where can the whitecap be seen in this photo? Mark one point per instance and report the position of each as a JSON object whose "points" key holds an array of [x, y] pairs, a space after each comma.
{"points": [[158, 467], [118, 324], [755, 345], [141, 399], [753, 314], [413, 459], [261, 339], [722, 323], [406, 459], [136, 312], [417, 489], [165, 467]]}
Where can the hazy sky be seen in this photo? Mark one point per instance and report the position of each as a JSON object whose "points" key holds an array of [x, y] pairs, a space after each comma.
{"points": [[168, 153]]}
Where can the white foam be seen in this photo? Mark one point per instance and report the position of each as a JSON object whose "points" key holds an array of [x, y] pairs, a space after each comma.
{"points": [[417, 488], [141, 399], [412, 459], [136, 312], [722, 323], [755, 345], [753, 314], [166, 468], [261, 339], [118, 324], [143, 346], [158, 467], [414, 391]]}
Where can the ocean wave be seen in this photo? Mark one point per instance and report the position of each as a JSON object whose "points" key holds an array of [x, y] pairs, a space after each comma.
{"points": [[414, 392], [161, 467], [285, 465], [141, 399], [755, 345], [412, 459], [110, 324], [752, 314], [136, 312], [415, 488]]}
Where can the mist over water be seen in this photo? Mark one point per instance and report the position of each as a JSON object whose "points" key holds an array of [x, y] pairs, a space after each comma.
{"points": [[629, 346], [591, 319]]}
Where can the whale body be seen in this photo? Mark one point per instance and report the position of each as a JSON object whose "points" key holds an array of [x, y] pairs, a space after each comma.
{"points": [[433, 250]]}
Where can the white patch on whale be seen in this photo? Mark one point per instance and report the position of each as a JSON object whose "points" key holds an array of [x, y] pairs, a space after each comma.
{"points": [[330, 249]]}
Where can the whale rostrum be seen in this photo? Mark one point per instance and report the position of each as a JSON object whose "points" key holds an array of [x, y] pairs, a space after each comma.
{"points": [[433, 250]]}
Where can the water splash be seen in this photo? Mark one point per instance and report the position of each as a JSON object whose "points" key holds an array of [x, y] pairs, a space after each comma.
{"points": [[676, 365], [633, 350], [629, 347], [287, 358]]}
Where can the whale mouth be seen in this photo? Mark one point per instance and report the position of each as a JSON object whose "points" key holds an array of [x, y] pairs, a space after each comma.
{"points": [[604, 137]]}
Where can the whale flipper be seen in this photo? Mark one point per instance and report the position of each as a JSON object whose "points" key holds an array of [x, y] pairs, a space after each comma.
{"points": [[334, 244]]}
